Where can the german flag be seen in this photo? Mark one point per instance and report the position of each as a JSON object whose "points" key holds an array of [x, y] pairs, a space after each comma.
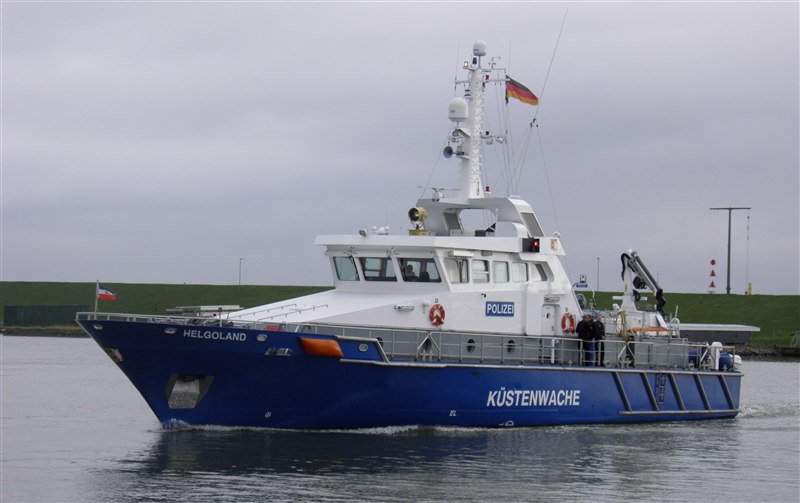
{"points": [[516, 90]]}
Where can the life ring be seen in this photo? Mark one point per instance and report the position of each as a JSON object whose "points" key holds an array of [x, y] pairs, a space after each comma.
{"points": [[568, 323], [437, 314]]}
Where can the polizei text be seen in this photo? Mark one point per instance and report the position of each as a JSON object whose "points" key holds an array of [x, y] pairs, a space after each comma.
{"points": [[533, 398]]}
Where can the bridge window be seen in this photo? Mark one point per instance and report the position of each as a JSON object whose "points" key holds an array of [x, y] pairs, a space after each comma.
{"points": [[457, 270], [500, 271], [539, 273], [345, 268], [519, 272], [423, 270], [480, 271], [378, 269]]}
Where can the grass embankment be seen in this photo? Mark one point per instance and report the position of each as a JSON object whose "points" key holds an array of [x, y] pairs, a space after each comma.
{"points": [[778, 316], [140, 298]]}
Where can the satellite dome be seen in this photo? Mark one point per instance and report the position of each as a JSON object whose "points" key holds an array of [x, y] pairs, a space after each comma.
{"points": [[479, 48], [458, 110]]}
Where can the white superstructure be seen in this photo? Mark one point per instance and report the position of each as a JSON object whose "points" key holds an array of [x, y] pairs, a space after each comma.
{"points": [[506, 278]]}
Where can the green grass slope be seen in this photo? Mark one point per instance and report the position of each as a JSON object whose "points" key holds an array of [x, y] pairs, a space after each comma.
{"points": [[778, 316], [146, 298]]}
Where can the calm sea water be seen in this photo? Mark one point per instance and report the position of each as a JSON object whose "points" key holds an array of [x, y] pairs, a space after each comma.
{"points": [[74, 429]]}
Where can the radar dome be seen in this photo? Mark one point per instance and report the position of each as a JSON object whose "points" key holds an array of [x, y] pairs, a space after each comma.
{"points": [[458, 110], [479, 48]]}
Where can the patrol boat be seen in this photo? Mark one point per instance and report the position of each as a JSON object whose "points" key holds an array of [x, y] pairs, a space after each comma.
{"points": [[447, 325]]}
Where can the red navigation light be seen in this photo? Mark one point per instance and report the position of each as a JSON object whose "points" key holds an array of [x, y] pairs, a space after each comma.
{"points": [[535, 245]]}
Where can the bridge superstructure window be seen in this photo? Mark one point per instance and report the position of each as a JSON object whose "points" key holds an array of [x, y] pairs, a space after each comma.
{"points": [[457, 270], [378, 269], [345, 268], [539, 273], [423, 270], [500, 271], [480, 271], [519, 272]]}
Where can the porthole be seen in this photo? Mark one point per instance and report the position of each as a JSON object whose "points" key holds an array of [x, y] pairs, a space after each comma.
{"points": [[470, 345], [511, 346]]}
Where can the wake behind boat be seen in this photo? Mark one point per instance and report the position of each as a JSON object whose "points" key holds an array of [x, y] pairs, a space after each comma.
{"points": [[448, 325]]}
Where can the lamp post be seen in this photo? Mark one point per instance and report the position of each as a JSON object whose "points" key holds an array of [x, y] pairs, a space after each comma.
{"points": [[597, 283], [729, 210], [240, 271]]}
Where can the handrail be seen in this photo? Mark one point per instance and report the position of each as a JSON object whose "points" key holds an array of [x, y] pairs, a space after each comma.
{"points": [[293, 311], [284, 306], [447, 346]]}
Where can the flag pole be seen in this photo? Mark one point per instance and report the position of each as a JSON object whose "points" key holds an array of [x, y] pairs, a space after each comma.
{"points": [[96, 292]]}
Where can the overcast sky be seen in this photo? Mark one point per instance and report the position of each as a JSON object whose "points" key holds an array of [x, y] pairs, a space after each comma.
{"points": [[162, 142]]}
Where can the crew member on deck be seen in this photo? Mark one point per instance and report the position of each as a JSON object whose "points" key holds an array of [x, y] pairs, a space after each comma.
{"points": [[599, 330], [585, 331]]}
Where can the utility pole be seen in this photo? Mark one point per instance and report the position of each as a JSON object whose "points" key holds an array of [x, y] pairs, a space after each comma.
{"points": [[729, 210], [597, 285]]}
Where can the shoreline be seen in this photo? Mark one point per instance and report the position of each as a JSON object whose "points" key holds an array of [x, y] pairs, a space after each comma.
{"points": [[76, 333], [57, 331]]}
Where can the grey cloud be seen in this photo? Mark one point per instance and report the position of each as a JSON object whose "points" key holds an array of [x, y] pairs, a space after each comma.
{"points": [[180, 137]]}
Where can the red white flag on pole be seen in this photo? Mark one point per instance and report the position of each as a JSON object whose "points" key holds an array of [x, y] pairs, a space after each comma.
{"points": [[104, 293]]}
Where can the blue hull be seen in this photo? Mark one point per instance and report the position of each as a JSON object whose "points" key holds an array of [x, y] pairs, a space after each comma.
{"points": [[254, 378]]}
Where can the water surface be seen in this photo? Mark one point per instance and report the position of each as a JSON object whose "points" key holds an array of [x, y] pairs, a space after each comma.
{"points": [[74, 429]]}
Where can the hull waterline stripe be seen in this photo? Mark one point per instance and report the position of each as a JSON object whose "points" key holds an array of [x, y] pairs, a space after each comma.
{"points": [[678, 412]]}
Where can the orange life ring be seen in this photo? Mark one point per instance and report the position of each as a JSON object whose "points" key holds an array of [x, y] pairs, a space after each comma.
{"points": [[437, 314], [568, 323]]}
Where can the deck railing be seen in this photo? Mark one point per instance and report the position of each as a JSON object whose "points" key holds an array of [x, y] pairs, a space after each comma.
{"points": [[472, 347]]}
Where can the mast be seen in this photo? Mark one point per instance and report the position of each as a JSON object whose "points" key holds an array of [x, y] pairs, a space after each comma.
{"points": [[467, 114], [465, 142], [471, 166]]}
